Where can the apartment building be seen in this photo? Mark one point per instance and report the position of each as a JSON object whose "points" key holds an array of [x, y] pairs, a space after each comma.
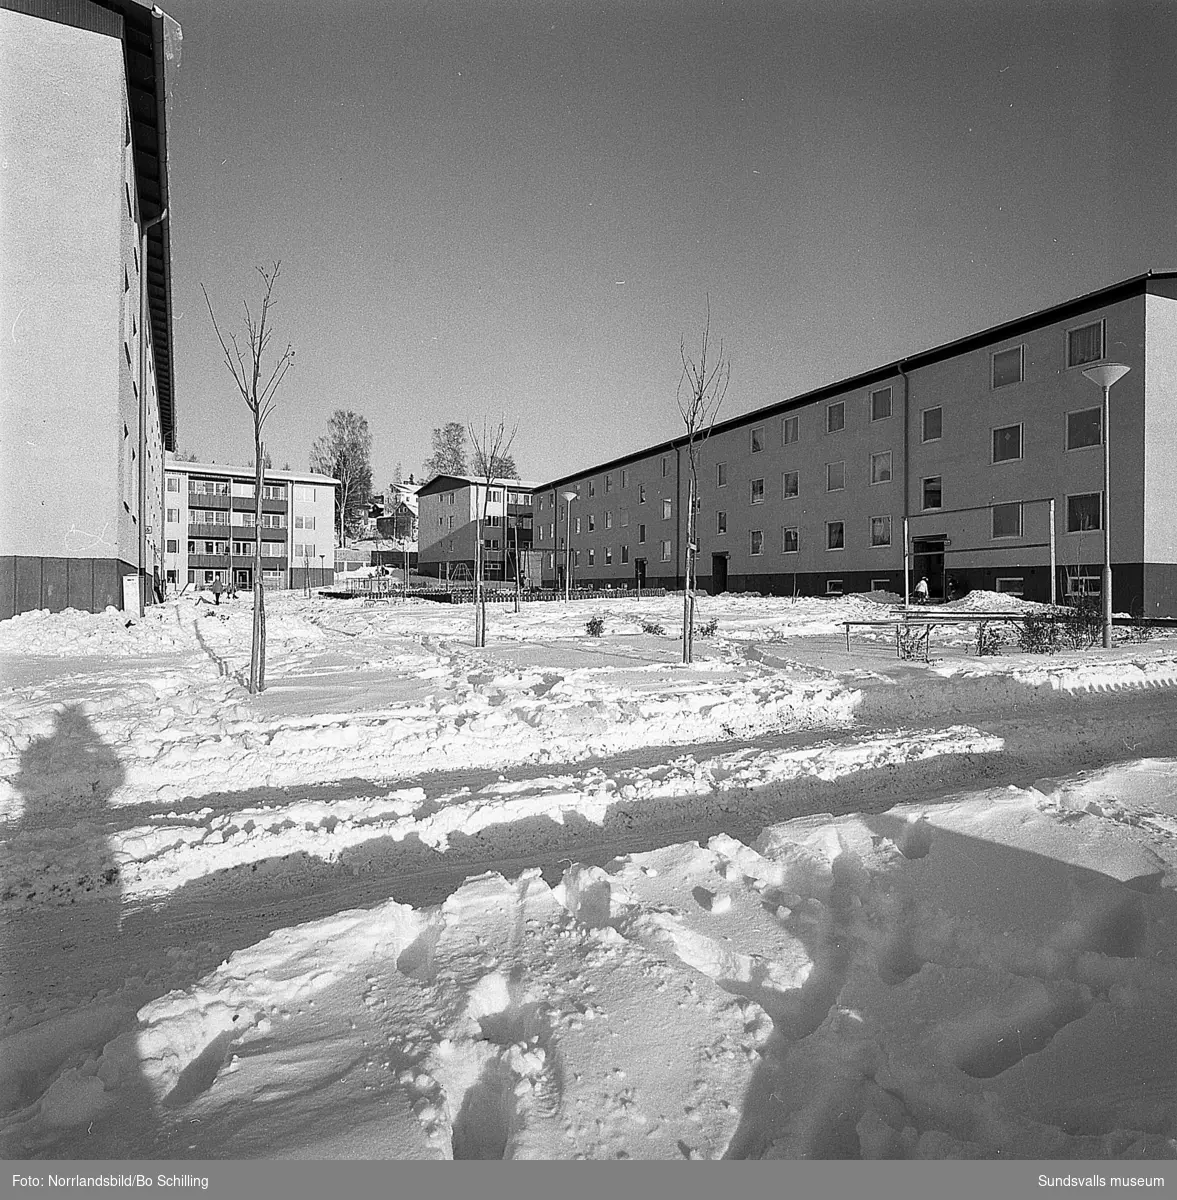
{"points": [[86, 400], [448, 507], [210, 527], [989, 447]]}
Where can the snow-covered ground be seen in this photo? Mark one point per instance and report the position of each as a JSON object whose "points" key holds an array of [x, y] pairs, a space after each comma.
{"points": [[201, 959]]}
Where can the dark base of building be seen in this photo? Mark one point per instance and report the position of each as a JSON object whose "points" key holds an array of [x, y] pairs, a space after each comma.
{"points": [[314, 577], [89, 584]]}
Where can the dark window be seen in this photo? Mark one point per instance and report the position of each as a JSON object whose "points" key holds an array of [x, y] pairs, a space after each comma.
{"points": [[880, 404], [933, 497], [758, 439], [1084, 512], [1007, 443], [835, 535], [1007, 520], [1084, 428], [836, 417], [1085, 344], [1007, 367], [789, 484], [933, 424], [835, 476], [789, 541]]}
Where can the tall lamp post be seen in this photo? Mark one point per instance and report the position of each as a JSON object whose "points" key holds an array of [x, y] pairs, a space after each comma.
{"points": [[1103, 376], [568, 497]]}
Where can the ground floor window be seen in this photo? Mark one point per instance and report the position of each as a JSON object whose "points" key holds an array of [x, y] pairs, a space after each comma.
{"points": [[833, 587], [1084, 512], [880, 585], [1084, 585], [1013, 585]]}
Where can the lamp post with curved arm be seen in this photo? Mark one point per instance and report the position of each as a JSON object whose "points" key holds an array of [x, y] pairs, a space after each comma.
{"points": [[1103, 376], [568, 497]]}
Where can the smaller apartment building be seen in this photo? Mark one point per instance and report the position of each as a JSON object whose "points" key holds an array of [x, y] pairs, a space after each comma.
{"points": [[448, 507], [990, 447], [210, 527]]}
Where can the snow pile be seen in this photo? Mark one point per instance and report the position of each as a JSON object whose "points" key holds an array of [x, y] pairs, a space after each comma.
{"points": [[111, 633]]}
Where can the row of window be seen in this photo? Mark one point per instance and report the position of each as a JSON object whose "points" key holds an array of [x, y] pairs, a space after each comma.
{"points": [[240, 549], [221, 516], [210, 575], [225, 487]]}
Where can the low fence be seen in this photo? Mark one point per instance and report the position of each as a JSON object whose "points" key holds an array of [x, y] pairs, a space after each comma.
{"points": [[380, 588]]}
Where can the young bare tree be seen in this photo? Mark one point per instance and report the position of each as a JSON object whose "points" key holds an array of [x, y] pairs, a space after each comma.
{"points": [[257, 372], [491, 448], [701, 389]]}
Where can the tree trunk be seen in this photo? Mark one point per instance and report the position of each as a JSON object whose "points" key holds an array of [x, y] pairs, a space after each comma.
{"points": [[517, 580], [257, 657], [688, 600]]}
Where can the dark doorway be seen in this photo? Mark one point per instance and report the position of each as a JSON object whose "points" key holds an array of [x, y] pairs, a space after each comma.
{"points": [[927, 562], [242, 577], [718, 574]]}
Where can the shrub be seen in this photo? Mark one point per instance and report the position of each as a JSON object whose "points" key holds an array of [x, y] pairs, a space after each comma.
{"points": [[911, 641], [653, 627], [708, 628], [988, 639], [1081, 626], [1037, 635], [594, 626], [1139, 631]]}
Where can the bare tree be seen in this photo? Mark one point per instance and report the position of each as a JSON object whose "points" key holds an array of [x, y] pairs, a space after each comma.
{"points": [[257, 381], [344, 451], [449, 451], [701, 389], [491, 447]]}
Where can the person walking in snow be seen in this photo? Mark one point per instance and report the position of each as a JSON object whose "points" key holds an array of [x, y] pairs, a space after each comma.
{"points": [[217, 585], [921, 591]]}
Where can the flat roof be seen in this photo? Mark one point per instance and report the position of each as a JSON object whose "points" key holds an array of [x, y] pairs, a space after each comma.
{"points": [[1111, 294], [182, 466]]}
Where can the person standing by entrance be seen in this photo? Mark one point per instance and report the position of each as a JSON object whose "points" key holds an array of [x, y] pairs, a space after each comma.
{"points": [[921, 591]]}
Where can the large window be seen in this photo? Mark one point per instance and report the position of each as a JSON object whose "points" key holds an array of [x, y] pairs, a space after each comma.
{"points": [[1084, 512], [1085, 344], [757, 439], [835, 535], [789, 539], [789, 484], [835, 476], [788, 431], [880, 531], [932, 492], [1007, 367], [1007, 520], [757, 491], [880, 467], [756, 540], [1007, 443], [880, 404], [933, 424], [1084, 428], [836, 417]]}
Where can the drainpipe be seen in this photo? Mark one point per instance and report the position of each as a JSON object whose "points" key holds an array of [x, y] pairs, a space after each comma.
{"points": [[143, 325], [906, 486]]}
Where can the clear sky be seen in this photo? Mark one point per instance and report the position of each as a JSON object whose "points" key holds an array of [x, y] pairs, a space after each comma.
{"points": [[489, 208]]}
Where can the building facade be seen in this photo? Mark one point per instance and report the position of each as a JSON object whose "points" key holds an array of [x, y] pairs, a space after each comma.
{"points": [[448, 507], [86, 405], [210, 527], [990, 448]]}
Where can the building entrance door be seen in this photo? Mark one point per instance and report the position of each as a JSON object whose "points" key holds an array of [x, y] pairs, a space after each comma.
{"points": [[241, 577], [718, 574], [639, 573], [927, 562]]}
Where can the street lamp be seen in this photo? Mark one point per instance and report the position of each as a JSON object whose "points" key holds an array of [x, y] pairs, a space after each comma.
{"points": [[1103, 376], [322, 568], [568, 497]]}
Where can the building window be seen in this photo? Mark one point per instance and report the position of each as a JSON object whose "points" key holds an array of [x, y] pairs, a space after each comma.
{"points": [[1011, 585], [1084, 512], [789, 484], [757, 491], [666, 509], [592, 522], [836, 417], [592, 558], [1085, 344], [880, 585], [757, 439], [665, 550], [880, 467], [173, 516], [592, 487], [608, 556], [173, 546], [273, 549], [577, 524], [608, 482], [789, 540], [1007, 367], [933, 494], [1007, 443], [880, 404], [641, 493], [880, 531], [665, 465], [625, 479], [625, 518], [609, 519], [173, 483], [835, 476], [1084, 428], [243, 549], [641, 535], [756, 539], [1007, 520], [835, 535], [833, 587], [788, 431], [625, 554], [721, 522], [721, 474], [933, 419]]}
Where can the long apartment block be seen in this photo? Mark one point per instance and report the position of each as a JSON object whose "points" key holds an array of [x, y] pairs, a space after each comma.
{"points": [[211, 529], [989, 449], [448, 512]]}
